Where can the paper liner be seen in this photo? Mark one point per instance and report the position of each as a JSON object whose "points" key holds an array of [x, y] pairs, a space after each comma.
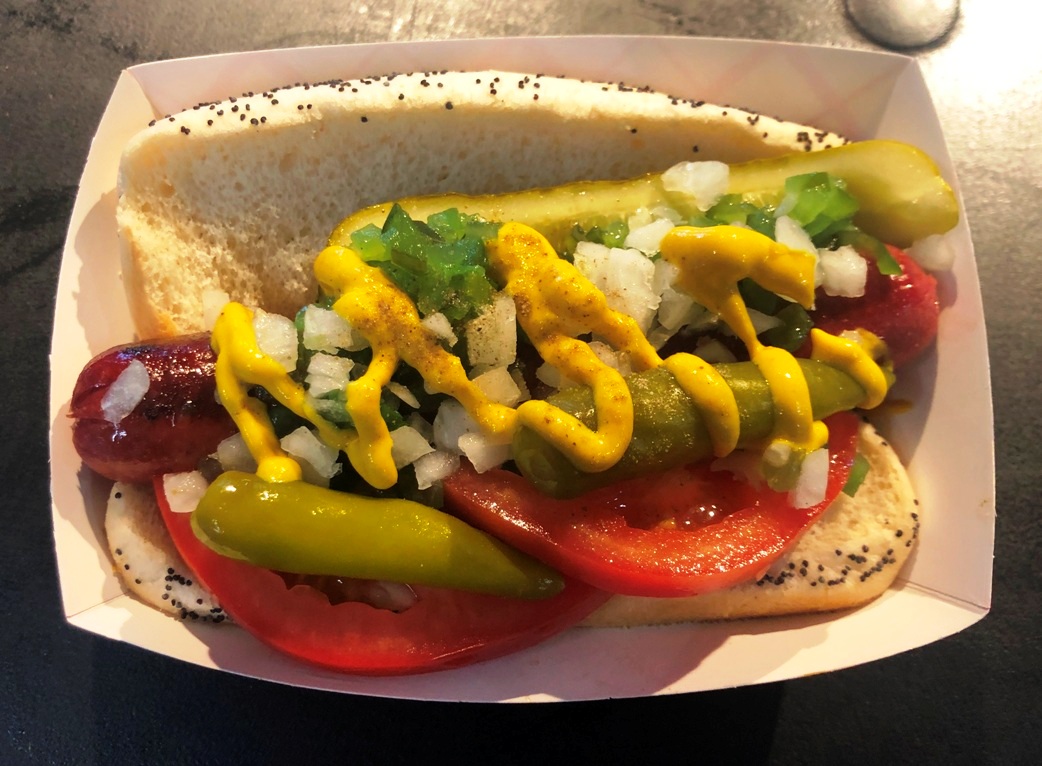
{"points": [[945, 439]]}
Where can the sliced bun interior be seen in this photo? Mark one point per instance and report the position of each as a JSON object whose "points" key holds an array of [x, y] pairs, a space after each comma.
{"points": [[147, 561], [241, 195]]}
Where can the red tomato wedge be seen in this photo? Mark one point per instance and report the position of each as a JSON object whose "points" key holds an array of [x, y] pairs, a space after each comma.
{"points": [[649, 536], [902, 310], [444, 629]]}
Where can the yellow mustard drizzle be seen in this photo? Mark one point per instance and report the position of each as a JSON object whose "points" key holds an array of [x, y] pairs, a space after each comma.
{"points": [[713, 398], [555, 304], [712, 261], [241, 363], [384, 315], [857, 358]]}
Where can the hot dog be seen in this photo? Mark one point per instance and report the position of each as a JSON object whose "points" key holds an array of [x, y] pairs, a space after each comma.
{"points": [[175, 423], [135, 283]]}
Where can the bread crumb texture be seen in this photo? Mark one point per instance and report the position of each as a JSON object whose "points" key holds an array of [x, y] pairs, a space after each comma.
{"points": [[147, 561], [848, 558], [241, 195]]}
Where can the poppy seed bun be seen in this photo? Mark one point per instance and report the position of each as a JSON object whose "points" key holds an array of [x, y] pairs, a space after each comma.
{"points": [[241, 195], [850, 556], [147, 561]]}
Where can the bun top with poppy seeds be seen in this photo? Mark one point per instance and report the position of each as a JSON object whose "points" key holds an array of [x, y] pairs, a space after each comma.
{"points": [[240, 196]]}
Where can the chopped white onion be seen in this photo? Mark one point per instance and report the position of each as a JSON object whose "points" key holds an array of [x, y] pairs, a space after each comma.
{"points": [[871, 344], [744, 465], [327, 373], [658, 336], [407, 446], [934, 253], [391, 596], [664, 211], [183, 491], [522, 387], [627, 285], [714, 352], [451, 422], [482, 452], [125, 392], [677, 309], [325, 330], [276, 337], [403, 393], [435, 466], [853, 335], [704, 182], [789, 233], [317, 460], [456, 432], [625, 276], [642, 216], [788, 202], [844, 272], [420, 424], [777, 454], [763, 322], [591, 259], [813, 480], [214, 301], [549, 375], [665, 275], [233, 455], [648, 239], [499, 386], [492, 336], [440, 326], [617, 360]]}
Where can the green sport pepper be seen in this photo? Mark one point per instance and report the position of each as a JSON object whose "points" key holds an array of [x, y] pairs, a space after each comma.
{"points": [[302, 528], [668, 429]]}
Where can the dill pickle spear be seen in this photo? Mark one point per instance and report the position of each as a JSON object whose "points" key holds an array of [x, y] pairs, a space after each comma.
{"points": [[668, 429], [553, 212], [901, 194]]}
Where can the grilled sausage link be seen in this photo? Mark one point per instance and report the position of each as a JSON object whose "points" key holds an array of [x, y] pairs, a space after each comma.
{"points": [[176, 423]]}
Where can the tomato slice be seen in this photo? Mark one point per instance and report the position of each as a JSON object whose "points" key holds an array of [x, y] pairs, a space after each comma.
{"points": [[682, 532], [445, 628], [902, 310]]}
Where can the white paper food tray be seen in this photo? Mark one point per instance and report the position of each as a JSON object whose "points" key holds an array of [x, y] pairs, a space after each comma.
{"points": [[946, 440]]}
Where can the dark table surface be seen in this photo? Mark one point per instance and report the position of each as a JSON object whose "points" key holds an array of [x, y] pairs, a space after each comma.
{"points": [[70, 697]]}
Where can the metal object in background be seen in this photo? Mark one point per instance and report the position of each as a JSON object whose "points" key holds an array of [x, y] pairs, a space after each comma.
{"points": [[904, 23]]}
